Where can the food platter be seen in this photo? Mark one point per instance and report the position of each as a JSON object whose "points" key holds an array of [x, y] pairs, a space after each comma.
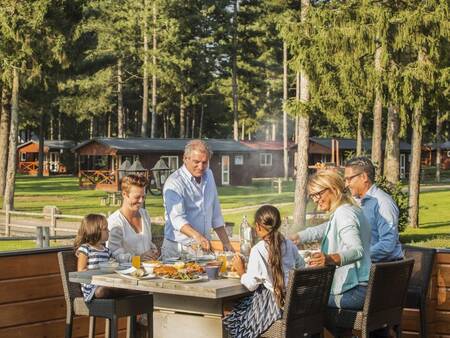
{"points": [[194, 279]]}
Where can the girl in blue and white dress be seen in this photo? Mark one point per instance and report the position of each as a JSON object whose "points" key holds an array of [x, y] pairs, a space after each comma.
{"points": [[267, 276], [90, 250]]}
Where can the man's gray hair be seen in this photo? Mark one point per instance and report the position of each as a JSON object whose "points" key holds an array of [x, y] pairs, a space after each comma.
{"points": [[197, 145], [362, 164]]}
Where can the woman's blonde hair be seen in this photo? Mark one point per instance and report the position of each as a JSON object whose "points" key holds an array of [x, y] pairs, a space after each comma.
{"points": [[90, 230], [269, 217], [331, 180], [133, 180]]}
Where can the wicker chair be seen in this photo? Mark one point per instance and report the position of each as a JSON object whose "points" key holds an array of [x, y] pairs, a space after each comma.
{"points": [[306, 304], [383, 306], [419, 282], [110, 308]]}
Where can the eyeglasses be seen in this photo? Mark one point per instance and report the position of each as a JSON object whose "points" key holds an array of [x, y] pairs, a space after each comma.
{"points": [[349, 178], [317, 195]]}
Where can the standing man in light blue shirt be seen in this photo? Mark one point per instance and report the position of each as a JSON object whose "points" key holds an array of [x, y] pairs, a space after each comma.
{"points": [[378, 207], [191, 203]]}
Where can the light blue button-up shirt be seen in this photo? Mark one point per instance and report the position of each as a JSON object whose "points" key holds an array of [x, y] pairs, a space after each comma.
{"points": [[382, 214], [188, 202]]}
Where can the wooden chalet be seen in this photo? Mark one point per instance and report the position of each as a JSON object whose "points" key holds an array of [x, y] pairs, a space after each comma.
{"points": [[58, 159], [100, 159], [429, 155], [337, 150], [267, 159]]}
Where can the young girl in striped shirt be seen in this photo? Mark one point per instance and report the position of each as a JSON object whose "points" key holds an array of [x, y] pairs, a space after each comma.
{"points": [[90, 250]]}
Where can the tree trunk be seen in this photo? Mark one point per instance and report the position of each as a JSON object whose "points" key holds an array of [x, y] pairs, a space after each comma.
{"points": [[234, 84], [109, 124], [145, 76], [59, 127], [285, 98], [301, 180], [8, 202], [297, 97], [182, 116], [274, 131], [165, 123], [41, 144], [359, 135], [154, 98], [193, 123], [91, 127], [392, 149], [438, 146], [200, 129], [4, 134], [377, 118], [120, 113], [52, 127], [414, 171]]}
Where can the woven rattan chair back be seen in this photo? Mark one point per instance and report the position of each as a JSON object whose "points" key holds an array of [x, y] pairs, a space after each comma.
{"points": [[386, 293], [306, 300], [423, 267]]}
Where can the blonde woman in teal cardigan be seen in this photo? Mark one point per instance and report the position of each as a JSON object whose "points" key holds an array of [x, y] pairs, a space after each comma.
{"points": [[345, 240]]}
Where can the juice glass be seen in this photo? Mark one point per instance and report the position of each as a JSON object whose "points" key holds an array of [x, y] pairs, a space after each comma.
{"points": [[223, 259], [136, 261]]}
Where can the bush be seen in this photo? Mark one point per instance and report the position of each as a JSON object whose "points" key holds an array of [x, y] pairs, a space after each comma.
{"points": [[400, 198]]}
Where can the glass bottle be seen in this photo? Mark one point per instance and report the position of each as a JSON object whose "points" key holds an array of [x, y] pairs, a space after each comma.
{"points": [[246, 237]]}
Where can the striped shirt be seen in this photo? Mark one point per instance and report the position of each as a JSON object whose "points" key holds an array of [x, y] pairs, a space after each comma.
{"points": [[95, 256]]}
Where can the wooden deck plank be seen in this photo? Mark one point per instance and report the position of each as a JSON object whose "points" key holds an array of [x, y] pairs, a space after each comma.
{"points": [[30, 288]]}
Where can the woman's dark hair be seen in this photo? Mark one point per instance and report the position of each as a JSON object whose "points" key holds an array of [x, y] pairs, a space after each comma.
{"points": [[269, 217], [90, 230]]}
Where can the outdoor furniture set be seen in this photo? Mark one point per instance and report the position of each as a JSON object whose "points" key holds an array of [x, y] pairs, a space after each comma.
{"points": [[196, 309]]}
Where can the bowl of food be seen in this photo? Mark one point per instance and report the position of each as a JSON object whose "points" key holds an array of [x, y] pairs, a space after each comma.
{"points": [[109, 266], [150, 265]]}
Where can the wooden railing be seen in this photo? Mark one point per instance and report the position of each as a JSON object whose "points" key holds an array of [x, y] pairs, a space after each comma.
{"points": [[30, 168], [98, 179]]}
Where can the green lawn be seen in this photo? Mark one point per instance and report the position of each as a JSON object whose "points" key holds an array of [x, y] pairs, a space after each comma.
{"points": [[32, 194]]}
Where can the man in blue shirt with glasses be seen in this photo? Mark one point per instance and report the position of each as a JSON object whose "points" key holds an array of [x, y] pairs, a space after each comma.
{"points": [[192, 205], [378, 207]]}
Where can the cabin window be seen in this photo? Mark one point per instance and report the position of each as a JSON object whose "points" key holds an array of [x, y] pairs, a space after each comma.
{"points": [[265, 159], [171, 161], [23, 157], [448, 153], [239, 160]]}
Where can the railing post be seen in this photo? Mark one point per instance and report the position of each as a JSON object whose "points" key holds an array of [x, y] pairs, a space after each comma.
{"points": [[39, 237], [7, 222], [53, 221], [45, 237]]}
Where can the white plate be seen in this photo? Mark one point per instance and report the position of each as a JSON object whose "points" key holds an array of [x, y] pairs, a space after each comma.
{"points": [[126, 273], [172, 259], [229, 274], [200, 279], [206, 258]]}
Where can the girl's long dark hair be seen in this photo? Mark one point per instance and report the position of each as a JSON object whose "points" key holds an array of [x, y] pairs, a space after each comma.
{"points": [[269, 217]]}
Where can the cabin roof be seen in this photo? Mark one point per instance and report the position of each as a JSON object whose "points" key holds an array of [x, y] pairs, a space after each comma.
{"points": [[151, 145], [350, 144], [444, 146], [267, 145], [51, 144]]}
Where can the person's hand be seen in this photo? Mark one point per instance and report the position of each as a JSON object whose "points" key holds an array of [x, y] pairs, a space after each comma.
{"points": [[151, 254], [318, 259], [238, 264], [295, 238], [204, 242], [228, 247]]}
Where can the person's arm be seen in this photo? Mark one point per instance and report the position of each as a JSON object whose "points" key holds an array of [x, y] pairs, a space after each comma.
{"points": [[387, 227], [223, 236], [82, 259], [115, 242], [311, 234], [254, 275], [348, 224]]}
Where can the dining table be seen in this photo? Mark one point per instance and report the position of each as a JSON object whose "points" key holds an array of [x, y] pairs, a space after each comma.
{"points": [[181, 309]]}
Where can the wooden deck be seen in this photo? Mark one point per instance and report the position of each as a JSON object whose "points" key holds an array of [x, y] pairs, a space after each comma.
{"points": [[32, 302]]}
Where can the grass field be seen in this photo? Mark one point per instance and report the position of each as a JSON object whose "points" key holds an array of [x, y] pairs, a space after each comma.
{"points": [[32, 194]]}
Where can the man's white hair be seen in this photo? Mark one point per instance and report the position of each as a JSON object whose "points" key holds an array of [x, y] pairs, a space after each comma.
{"points": [[197, 145]]}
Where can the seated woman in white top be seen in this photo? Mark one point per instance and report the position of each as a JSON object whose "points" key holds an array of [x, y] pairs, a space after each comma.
{"points": [[130, 226], [267, 276]]}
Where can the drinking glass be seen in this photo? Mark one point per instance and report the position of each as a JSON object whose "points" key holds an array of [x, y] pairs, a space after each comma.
{"points": [[136, 261]]}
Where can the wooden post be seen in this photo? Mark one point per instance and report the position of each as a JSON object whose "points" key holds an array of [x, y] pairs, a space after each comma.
{"points": [[332, 151], [279, 185], [338, 159], [39, 237], [45, 237], [53, 221], [7, 222]]}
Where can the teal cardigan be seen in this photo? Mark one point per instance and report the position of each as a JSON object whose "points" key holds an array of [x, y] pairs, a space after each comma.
{"points": [[347, 233]]}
